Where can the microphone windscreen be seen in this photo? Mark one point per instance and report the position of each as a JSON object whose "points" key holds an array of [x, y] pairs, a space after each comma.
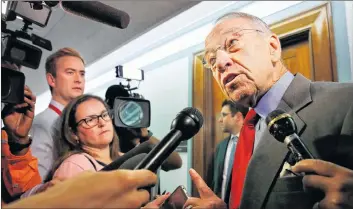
{"points": [[97, 11], [131, 163]]}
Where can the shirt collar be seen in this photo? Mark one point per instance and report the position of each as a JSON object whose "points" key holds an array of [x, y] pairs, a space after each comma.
{"points": [[57, 104], [234, 136], [270, 101]]}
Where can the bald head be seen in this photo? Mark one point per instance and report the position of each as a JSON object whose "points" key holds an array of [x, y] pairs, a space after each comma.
{"points": [[255, 21]]}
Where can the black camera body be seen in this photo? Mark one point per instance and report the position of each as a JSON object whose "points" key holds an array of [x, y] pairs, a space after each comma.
{"points": [[19, 47], [130, 109]]}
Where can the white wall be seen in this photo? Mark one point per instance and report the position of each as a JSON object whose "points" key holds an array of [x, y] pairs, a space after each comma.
{"points": [[349, 18], [167, 88]]}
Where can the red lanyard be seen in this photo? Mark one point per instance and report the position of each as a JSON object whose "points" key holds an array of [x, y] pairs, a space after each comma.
{"points": [[55, 109]]}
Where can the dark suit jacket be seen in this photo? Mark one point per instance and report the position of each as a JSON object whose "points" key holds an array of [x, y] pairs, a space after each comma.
{"points": [[323, 112], [218, 166]]}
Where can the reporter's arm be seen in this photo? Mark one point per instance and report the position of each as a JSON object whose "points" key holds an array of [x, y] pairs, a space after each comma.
{"points": [[113, 189], [20, 172]]}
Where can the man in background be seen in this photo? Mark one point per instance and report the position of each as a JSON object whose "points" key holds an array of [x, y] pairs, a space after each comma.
{"points": [[231, 120], [65, 74]]}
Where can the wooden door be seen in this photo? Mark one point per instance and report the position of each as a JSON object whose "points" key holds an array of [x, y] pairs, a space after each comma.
{"points": [[307, 47], [296, 55]]}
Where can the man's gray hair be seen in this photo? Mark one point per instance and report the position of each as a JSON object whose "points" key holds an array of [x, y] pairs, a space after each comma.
{"points": [[260, 24]]}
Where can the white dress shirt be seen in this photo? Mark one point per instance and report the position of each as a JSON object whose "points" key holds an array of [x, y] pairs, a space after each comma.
{"points": [[232, 142]]}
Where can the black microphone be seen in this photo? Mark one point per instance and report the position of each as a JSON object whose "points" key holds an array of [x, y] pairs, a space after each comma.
{"points": [[97, 11], [186, 124], [282, 126], [131, 163], [144, 147]]}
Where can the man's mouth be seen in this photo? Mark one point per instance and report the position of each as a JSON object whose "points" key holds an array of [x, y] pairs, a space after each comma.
{"points": [[77, 88], [229, 78]]}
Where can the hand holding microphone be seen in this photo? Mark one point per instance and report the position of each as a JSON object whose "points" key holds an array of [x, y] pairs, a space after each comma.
{"points": [[334, 180]]}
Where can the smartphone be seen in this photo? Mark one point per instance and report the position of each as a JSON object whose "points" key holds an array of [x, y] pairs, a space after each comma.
{"points": [[176, 200]]}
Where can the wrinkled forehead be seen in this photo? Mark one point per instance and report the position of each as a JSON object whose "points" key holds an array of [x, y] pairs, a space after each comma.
{"points": [[224, 28]]}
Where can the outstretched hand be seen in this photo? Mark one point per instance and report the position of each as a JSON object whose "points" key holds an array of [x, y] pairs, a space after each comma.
{"points": [[208, 199]]}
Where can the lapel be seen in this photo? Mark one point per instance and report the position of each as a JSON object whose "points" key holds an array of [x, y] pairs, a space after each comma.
{"points": [[220, 161], [267, 161]]}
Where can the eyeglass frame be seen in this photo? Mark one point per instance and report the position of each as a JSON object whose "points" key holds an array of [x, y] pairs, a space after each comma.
{"points": [[220, 47], [83, 120]]}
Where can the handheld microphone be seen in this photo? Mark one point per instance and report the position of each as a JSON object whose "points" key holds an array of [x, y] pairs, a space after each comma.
{"points": [[282, 126], [97, 11], [131, 163], [186, 124], [144, 147]]}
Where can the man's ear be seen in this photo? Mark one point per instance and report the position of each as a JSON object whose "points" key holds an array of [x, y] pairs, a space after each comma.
{"points": [[275, 48], [50, 80]]}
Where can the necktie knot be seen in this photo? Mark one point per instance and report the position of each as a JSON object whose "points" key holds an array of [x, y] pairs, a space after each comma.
{"points": [[251, 118]]}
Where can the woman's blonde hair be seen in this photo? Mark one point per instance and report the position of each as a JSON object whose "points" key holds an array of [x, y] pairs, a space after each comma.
{"points": [[66, 144]]}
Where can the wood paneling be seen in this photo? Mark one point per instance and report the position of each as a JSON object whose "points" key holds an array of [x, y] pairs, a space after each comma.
{"points": [[317, 23], [297, 59]]}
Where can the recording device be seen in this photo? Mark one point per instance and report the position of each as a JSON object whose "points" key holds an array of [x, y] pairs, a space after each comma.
{"points": [[12, 81], [19, 47], [282, 126], [186, 124], [176, 200], [16, 50], [97, 11], [130, 109], [142, 148]]}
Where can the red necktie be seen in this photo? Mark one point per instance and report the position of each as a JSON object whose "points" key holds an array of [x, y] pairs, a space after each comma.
{"points": [[241, 159]]}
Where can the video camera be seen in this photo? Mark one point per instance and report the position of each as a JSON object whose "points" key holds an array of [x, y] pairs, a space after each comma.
{"points": [[131, 110], [19, 47]]}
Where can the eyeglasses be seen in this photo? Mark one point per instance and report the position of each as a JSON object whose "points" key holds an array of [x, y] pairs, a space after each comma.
{"points": [[93, 120], [231, 45]]}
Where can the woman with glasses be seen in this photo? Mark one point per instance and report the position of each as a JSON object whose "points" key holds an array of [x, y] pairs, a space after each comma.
{"points": [[87, 140]]}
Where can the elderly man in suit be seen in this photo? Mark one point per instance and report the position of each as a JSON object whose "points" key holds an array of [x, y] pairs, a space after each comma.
{"points": [[231, 120], [245, 59]]}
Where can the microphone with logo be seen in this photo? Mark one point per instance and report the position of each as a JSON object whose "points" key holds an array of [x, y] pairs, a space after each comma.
{"points": [[186, 124], [97, 11], [282, 126]]}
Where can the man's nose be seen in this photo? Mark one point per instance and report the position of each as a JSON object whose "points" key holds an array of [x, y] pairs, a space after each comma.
{"points": [[79, 78], [223, 61]]}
